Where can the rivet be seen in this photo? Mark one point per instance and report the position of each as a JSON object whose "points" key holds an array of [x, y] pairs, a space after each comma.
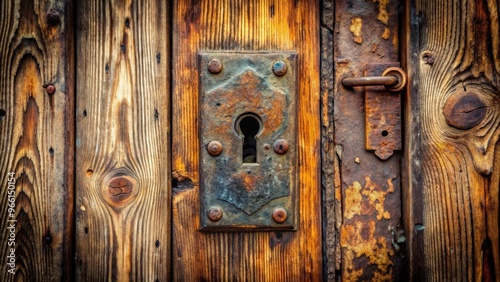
{"points": [[214, 66], [280, 146], [279, 68], [50, 89], [215, 213], [279, 215], [214, 148], [53, 18]]}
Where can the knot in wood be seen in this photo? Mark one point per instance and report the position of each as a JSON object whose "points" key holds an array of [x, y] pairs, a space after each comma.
{"points": [[120, 188], [464, 110]]}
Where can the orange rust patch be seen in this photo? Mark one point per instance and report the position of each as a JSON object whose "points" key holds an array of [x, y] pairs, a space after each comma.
{"points": [[352, 202], [356, 204], [376, 197], [383, 16], [248, 182], [387, 33], [359, 240], [356, 25]]}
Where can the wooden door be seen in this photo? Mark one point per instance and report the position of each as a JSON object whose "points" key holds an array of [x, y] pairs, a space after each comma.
{"points": [[244, 25], [101, 153]]}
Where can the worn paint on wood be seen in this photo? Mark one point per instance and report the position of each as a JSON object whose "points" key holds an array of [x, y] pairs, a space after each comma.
{"points": [[370, 234], [123, 154], [453, 121], [245, 25], [36, 125]]}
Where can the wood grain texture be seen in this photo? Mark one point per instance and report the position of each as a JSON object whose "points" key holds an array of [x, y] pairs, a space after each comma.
{"points": [[455, 85], [122, 141], [330, 172], [244, 25], [412, 203], [36, 138]]}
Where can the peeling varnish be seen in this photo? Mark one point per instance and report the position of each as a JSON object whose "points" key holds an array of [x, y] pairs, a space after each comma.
{"points": [[355, 28]]}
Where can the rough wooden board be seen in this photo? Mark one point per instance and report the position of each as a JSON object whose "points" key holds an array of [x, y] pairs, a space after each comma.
{"points": [[244, 25], [122, 141], [36, 138], [455, 60], [330, 172], [411, 163]]}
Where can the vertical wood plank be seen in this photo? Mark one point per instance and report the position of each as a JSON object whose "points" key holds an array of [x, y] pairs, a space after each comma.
{"points": [[244, 25], [411, 164], [330, 172], [122, 141], [36, 140], [455, 86]]}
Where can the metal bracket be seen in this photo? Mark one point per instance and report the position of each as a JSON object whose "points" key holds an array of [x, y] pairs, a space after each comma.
{"points": [[248, 140], [383, 113]]}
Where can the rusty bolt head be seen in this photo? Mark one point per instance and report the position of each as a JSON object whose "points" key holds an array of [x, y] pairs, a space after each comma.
{"points": [[281, 146], [215, 213], [214, 66], [279, 215], [279, 68], [214, 148], [51, 89]]}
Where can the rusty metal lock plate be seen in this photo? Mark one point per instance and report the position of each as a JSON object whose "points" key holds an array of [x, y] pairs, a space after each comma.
{"points": [[382, 115], [248, 140]]}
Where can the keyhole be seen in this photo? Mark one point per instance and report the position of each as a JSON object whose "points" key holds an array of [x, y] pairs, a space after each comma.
{"points": [[250, 127]]}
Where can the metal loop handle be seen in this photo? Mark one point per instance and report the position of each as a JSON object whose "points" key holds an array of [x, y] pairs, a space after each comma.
{"points": [[394, 79]]}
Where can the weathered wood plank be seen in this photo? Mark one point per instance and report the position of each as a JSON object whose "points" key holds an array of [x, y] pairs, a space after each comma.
{"points": [[370, 236], [36, 141], [330, 171], [455, 84], [411, 167], [122, 141], [244, 25]]}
